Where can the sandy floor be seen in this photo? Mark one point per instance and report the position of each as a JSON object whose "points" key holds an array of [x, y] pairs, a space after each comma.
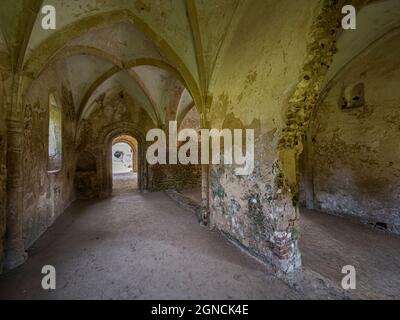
{"points": [[124, 182], [139, 246], [328, 243], [146, 246], [192, 194]]}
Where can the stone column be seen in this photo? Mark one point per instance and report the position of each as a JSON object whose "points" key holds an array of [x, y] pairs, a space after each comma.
{"points": [[3, 193], [15, 252], [308, 173], [103, 176], [3, 172], [205, 218], [15, 87], [205, 210]]}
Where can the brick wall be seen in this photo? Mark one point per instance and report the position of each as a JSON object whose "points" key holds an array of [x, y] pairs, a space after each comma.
{"points": [[178, 177]]}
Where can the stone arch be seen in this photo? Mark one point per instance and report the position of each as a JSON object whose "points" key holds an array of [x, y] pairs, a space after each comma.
{"points": [[185, 104], [333, 78], [320, 52], [346, 168], [80, 50], [114, 70], [305, 170], [319, 72], [250, 89], [105, 140], [129, 141], [42, 54]]}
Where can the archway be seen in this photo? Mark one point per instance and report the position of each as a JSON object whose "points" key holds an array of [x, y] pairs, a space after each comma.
{"points": [[349, 168], [124, 163], [193, 184], [124, 133]]}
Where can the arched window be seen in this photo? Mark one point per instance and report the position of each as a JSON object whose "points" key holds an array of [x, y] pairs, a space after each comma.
{"points": [[55, 135]]}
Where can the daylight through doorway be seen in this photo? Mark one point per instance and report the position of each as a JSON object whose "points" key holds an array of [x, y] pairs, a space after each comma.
{"points": [[124, 164]]}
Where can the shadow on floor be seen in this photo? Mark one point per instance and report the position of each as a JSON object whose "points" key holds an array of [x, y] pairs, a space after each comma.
{"points": [[139, 246], [328, 243]]}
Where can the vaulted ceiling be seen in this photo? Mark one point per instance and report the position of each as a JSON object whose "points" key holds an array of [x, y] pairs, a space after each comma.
{"points": [[162, 52], [375, 22]]}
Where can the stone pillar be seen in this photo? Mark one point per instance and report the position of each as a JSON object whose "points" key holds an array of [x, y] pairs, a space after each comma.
{"points": [[15, 252], [205, 209], [15, 87], [3, 193], [205, 218], [3, 172], [286, 235], [103, 175], [308, 173]]}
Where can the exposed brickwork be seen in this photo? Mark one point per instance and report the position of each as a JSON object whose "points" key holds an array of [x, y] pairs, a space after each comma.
{"points": [[178, 177]]}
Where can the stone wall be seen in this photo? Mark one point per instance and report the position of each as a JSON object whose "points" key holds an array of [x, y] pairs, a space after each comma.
{"points": [[46, 193], [85, 180], [3, 175], [114, 110], [251, 89], [111, 111], [355, 144], [177, 177]]}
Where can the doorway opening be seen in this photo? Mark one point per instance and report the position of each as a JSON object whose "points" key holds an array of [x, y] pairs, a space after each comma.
{"points": [[124, 155]]}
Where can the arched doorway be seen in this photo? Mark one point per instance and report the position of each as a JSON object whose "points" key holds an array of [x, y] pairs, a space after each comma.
{"points": [[125, 133], [124, 155]]}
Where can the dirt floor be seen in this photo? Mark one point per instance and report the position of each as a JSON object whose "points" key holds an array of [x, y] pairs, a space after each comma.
{"points": [[192, 194], [139, 246], [124, 182], [146, 246], [329, 242]]}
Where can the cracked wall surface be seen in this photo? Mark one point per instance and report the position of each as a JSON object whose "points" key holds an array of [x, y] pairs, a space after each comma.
{"points": [[114, 110], [3, 173], [178, 176], [355, 151], [251, 89], [46, 192], [124, 67], [111, 110]]}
